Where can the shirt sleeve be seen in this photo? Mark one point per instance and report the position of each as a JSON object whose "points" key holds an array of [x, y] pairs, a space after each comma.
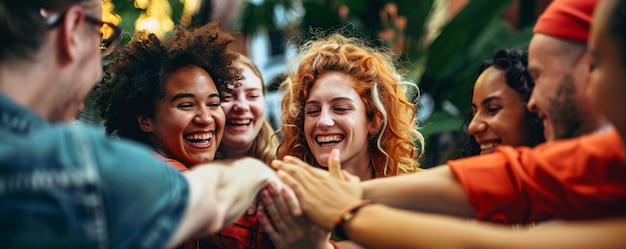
{"points": [[570, 179], [144, 197]]}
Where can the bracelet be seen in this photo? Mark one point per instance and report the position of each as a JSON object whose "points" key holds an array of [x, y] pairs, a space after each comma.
{"points": [[347, 214]]}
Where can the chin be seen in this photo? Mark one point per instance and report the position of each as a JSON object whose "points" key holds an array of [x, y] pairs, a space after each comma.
{"points": [[323, 159]]}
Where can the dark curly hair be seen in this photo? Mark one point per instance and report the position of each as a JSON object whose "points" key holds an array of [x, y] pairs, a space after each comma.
{"points": [[136, 76], [514, 64]]}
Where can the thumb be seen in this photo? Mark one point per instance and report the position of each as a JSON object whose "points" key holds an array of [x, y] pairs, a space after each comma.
{"points": [[334, 165]]}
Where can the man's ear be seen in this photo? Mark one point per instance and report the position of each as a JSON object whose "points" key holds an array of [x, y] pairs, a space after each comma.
{"points": [[377, 122], [145, 124], [69, 34]]}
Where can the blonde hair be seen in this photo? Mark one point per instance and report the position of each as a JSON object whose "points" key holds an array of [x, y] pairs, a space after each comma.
{"points": [[381, 88], [265, 144]]}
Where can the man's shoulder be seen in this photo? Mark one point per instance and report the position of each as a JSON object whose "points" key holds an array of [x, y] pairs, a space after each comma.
{"points": [[71, 145]]}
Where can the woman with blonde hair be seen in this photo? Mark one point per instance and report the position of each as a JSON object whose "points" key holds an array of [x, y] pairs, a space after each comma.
{"points": [[247, 133]]}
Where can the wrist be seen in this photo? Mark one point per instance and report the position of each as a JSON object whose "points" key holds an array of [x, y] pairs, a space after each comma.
{"points": [[345, 216]]}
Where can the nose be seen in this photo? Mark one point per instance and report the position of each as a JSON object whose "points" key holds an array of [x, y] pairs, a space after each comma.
{"points": [[476, 126], [325, 119], [240, 106], [203, 116], [532, 105]]}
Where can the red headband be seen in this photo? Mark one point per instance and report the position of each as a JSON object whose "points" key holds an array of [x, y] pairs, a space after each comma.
{"points": [[567, 19]]}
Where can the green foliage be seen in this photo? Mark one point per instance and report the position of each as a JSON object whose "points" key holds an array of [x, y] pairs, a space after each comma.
{"points": [[129, 14]]}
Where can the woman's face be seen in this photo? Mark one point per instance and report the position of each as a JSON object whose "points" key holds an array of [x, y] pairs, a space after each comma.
{"points": [[245, 109], [188, 121], [499, 113], [608, 78], [335, 117]]}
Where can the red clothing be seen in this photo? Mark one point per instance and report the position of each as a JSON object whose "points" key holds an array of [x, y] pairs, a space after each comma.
{"points": [[570, 179], [245, 233], [176, 164]]}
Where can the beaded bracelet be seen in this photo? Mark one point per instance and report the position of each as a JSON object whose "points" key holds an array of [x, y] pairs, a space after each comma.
{"points": [[347, 214]]}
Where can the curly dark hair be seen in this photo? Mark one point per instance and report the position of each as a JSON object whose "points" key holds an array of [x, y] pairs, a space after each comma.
{"points": [[514, 63], [136, 76]]}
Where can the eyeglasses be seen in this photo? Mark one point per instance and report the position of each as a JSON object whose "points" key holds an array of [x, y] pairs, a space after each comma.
{"points": [[110, 34]]}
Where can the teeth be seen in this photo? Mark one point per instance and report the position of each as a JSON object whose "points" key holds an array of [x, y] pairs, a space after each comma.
{"points": [[240, 122], [200, 137], [489, 146], [328, 139]]}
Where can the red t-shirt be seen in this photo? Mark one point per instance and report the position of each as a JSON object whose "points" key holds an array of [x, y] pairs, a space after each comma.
{"points": [[245, 233], [578, 178]]}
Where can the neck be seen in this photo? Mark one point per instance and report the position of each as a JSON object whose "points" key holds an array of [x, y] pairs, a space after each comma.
{"points": [[30, 84], [359, 166]]}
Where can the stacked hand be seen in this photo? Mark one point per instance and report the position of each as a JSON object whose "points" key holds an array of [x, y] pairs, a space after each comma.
{"points": [[322, 194]]}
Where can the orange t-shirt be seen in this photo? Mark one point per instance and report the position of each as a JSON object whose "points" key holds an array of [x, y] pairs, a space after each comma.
{"points": [[578, 178]]}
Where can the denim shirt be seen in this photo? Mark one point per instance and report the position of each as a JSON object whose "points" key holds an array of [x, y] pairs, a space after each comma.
{"points": [[70, 186]]}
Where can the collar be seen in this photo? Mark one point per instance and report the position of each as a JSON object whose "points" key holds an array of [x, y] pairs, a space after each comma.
{"points": [[17, 119]]}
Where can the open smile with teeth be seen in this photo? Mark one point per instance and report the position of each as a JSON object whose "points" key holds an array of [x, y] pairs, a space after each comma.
{"points": [[489, 146], [199, 138], [239, 122], [329, 140]]}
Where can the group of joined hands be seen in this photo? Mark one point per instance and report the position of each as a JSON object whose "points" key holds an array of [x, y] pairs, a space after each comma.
{"points": [[304, 197]]}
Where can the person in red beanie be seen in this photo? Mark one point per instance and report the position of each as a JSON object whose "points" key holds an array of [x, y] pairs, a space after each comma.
{"points": [[568, 179], [336, 200], [559, 64]]}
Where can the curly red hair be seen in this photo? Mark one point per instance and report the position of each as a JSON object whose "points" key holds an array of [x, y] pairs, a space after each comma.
{"points": [[380, 86]]}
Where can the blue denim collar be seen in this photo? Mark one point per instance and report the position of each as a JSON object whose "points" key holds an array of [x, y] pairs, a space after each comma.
{"points": [[16, 119]]}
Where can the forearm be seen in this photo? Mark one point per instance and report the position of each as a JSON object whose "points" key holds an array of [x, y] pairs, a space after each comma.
{"points": [[219, 193], [436, 191], [377, 226]]}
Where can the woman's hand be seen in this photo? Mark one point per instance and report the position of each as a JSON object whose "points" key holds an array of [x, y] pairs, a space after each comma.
{"points": [[284, 227], [323, 194]]}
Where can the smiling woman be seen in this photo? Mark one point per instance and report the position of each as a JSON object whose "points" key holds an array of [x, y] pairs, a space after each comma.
{"points": [[346, 95], [499, 99], [366, 114], [166, 93]]}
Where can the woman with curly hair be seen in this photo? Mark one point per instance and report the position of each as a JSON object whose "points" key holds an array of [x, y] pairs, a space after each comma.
{"points": [[499, 99], [175, 95], [349, 96], [166, 93]]}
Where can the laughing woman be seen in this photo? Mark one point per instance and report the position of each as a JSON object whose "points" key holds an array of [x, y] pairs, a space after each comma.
{"points": [[350, 96], [166, 94], [499, 113]]}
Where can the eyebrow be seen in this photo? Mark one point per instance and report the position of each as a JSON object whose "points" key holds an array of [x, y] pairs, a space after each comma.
{"points": [[332, 100], [191, 95], [486, 100]]}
